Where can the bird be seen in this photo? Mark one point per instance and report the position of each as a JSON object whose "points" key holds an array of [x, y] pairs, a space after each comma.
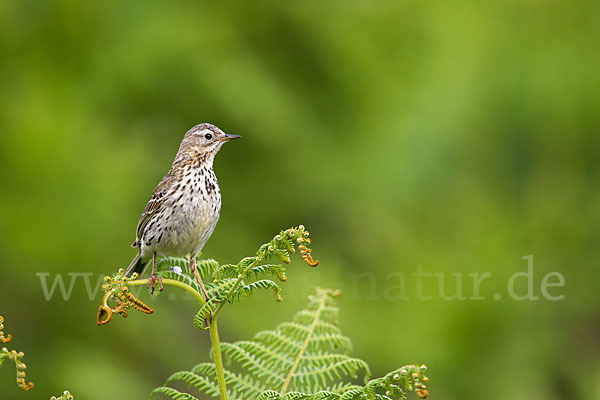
{"points": [[184, 208]]}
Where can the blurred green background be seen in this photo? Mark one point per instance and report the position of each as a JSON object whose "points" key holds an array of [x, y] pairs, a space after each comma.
{"points": [[456, 136]]}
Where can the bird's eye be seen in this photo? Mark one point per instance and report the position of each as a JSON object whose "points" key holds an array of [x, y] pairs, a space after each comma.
{"points": [[208, 136]]}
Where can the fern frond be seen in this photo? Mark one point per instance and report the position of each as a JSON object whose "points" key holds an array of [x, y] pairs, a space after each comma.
{"points": [[269, 395], [325, 395], [206, 268], [204, 368], [220, 288], [323, 359], [260, 368], [242, 386], [328, 314], [166, 263], [274, 358], [318, 375], [322, 395], [352, 394], [14, 356], [302, 359], [331, 342], [296, 396], [235, 281], [344, 387], [205, 313], [172, 393], [229, 270], [277, 270], [201, 383], [181, 278], [279, 342], [248, 290]]}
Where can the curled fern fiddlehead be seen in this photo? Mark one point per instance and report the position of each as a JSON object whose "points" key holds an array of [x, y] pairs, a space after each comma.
{"points": [[65, 396], [116, 289], [3, 339], [16, 357]]}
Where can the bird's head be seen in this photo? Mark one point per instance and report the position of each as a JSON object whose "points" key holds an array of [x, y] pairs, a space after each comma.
{"points": [[206, 139]]}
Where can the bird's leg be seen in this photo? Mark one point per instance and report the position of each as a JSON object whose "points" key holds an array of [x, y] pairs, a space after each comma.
{"points": [[195, 271], [153, 277]]}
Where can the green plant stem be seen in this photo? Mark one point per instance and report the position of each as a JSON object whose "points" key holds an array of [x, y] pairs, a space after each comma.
{"points": [[214, 332], [172, 282], [214, 337]]}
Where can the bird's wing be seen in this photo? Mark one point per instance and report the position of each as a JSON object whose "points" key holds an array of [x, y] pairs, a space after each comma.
{"points": [[156, 205]]}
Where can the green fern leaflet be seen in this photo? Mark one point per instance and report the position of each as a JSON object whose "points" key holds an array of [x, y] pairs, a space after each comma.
{"points": [[303, 359]]}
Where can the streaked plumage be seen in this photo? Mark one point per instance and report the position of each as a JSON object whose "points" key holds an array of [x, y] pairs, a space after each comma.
{"points": [[183, 210]]}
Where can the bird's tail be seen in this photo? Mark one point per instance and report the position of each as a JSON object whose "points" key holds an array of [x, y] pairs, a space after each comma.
{"points": [[137, 265]]}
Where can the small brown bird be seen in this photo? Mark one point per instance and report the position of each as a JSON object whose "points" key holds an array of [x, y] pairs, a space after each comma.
{"points": [[184, 208]]}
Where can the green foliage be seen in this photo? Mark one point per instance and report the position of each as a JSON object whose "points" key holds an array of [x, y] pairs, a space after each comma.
{"points": [[226, 284], [230, 283], [306, 358]]}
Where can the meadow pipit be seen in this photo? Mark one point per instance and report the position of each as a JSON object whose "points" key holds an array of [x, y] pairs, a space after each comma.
{"points": [[184, 208]]}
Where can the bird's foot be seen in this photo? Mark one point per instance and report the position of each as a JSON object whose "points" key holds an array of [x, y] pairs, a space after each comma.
{"points": [[152, 283]]}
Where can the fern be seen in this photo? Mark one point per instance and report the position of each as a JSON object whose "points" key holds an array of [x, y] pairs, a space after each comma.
{"points": [[14, 356], [225, 284], [65, 396], [232, 282], [306, 358]]}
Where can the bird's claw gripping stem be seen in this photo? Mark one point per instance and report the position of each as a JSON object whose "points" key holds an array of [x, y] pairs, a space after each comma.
{"points": [[152, 282]]}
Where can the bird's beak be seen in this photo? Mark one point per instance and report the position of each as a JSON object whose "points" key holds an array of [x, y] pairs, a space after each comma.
{"points": [[229, 137]]}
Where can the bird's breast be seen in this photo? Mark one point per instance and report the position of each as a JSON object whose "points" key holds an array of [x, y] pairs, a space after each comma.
{"points": [[190, 216]]}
